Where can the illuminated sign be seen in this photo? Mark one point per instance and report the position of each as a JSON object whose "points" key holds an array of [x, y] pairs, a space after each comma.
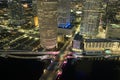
{"points": [[66, 26]]}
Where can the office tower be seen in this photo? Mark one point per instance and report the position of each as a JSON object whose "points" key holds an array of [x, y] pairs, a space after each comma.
{"points": [[113, 11], [16, 12], [3, 4], [63, 13], [28, 12], [47, 13], [113, 18], [90, 18], [63, 20]]}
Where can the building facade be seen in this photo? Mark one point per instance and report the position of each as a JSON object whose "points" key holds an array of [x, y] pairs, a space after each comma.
{"points": [[77, 43], [16, 12], [113, 31], [47, 14], [113, 11], [63, 19], [34, 6], [63, 13], [90, 18], [102, 44]]}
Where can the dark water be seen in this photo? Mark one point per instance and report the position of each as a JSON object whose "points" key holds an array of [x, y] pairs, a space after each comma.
{"points": [[92, 70], [17, 69]]}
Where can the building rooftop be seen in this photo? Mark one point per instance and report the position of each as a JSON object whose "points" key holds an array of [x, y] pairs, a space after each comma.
{"points": [[102, 40], [115, 25], [78, 37]]}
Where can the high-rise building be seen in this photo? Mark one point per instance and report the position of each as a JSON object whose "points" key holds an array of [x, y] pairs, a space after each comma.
{"points": [[3, 4], [47, 13], [113, 11], [63, 20], [90, 18], [16, 12], [113, 19], [63, 13]]}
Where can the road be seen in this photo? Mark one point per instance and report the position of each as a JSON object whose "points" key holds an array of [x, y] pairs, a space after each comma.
{"points": [[54, 69]]}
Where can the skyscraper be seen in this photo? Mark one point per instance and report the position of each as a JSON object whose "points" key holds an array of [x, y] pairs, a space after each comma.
{"points": [[113, 11], [47, 13], [63, 20], [16, 12], [63, 13], [90, 18], [113, 19]]}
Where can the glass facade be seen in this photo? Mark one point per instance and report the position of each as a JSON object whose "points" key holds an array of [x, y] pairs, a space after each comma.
{"points": [[16, 12], [63, 14], [90, 18]]}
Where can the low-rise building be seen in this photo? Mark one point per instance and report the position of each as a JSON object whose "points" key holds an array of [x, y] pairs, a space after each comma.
{"points": [[77, 44], [102, 44], [113, 31]]}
